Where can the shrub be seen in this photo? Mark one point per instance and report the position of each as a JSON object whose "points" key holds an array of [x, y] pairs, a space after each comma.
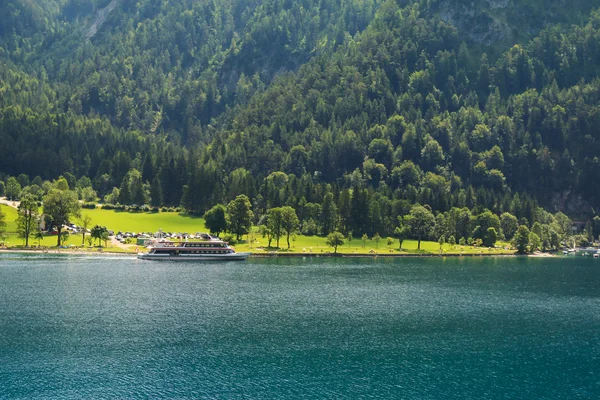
{"points": [[89, 205], [229, 238]]}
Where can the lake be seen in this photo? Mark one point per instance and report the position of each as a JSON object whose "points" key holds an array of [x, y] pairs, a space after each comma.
{"points": [[77, 327]]}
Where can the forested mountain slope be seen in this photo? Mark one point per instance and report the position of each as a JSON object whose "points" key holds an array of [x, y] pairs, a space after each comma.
{"points": [[404, 99], [407, 92], [173, 66]]}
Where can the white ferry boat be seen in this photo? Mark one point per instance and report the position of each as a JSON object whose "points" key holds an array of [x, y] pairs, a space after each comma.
{"points": [[209, 249]]}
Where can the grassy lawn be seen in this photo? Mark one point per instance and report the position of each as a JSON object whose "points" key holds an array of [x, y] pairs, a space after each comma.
{"points": [[176, 222], [145, 222], [316, 245], [11, 217]]}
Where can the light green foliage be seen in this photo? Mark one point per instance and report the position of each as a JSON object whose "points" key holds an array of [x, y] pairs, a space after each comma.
{"points": [[61, 184], [534, 241], [376, 239], [39, 236], [401, 232], [61, 207], [420, 222], [113, 196], [483, 222], [64, 237], [85, 222], [13, 189], [99, 233], [335, 239], [27, 221], [239, 216], [3, 224], [289, 222], [275, 223], [364, 239]]}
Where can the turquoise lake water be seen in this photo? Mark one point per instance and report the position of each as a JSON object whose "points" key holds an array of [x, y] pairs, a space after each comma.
{"points": [[455, 328]]}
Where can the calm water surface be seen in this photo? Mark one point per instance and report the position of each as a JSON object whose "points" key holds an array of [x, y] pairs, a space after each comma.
{"points": [[92, 327]]}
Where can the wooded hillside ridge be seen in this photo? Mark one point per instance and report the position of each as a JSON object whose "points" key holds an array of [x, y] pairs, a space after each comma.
{"points": [[191, 104]]}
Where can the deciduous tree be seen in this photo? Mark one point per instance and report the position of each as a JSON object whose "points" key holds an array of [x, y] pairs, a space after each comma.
{"points": [[84, 222], [421, 222], [289, 222], [335, 239], [61, 206], [215, 219], [239, 216], [521, 239], [27, 218]]}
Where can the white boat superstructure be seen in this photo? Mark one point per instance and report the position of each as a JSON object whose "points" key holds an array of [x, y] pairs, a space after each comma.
{"points": [[209, 249]]}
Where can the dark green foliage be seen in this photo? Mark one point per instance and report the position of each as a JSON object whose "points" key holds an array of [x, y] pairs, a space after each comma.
{"points": [[215, 219], [522, 239], [490, 237], [360, 108], [99, 233], [509, 225]]}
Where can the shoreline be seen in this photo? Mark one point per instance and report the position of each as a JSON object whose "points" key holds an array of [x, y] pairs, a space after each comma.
{"points": [[65, 252], [277, 255]]}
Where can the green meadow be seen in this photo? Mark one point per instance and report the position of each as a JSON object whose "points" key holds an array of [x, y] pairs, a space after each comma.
{"points": [[145, 222], [177, 222], [316, 245]]}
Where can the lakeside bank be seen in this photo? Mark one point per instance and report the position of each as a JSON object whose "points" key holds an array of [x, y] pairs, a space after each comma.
{"points": [[284, 254]]}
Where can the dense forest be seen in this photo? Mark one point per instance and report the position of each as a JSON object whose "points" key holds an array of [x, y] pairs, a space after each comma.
{"points": [[361, 107]]}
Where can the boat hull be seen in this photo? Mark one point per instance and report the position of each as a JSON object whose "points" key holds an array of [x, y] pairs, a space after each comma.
{"points": [[194, 257]]}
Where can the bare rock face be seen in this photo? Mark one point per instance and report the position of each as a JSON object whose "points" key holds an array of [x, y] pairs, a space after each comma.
{"points": [[491, 21], [572, 204], [483, 22], [100, 18]]}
